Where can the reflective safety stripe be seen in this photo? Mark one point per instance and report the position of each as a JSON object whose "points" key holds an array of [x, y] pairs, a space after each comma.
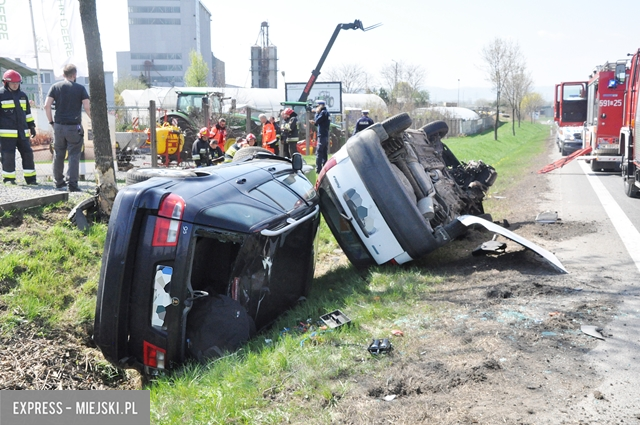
{"points": [[7, 104], [29, 118], [29, 173], [8, 133], [9, 174], [23, 103]]}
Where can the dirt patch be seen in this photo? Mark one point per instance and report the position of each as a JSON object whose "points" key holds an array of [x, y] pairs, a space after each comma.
{"points": [[61, 360], [507, 346]]}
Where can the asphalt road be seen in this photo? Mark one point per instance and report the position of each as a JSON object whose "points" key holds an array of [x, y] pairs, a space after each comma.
{"points": [[610, 254]]}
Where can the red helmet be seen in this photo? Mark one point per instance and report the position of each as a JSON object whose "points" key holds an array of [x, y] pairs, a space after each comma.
{"points": [[204, 131], [288, 111], [250, 136], [12, 76]]}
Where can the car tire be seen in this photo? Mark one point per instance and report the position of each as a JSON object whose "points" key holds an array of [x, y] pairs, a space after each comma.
{"points": [[137, 175], [397, 124], [249, 151], [439, 128]]}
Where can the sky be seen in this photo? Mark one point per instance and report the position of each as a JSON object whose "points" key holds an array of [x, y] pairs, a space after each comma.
{"points": [[561, 40]]}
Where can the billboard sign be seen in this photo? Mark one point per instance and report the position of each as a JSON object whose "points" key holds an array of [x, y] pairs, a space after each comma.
{"points": [[330, 92]]}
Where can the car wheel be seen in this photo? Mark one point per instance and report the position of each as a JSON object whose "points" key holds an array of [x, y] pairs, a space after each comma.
{"points": [[630, 188], [397, 124], [439, 128], [137, 175], [245, 153], [564, 153]]}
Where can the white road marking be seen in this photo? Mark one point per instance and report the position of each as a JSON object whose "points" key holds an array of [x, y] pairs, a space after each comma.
{"points": [[626, 230]]}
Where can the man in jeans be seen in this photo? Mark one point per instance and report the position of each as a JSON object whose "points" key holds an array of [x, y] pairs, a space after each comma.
{"points": [[70, 97]]}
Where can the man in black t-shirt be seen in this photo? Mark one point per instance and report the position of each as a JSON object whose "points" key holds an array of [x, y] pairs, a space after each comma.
{"points": [[69, 97]]}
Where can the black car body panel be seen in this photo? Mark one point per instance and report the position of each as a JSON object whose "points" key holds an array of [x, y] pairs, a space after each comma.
{"points": [[246, 230]]}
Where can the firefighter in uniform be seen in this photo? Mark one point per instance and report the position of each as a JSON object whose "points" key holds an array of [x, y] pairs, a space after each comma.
{"points": [[363, 122], [268, 134], [249, 140], [290, 132], [16, 125], [219, 133]]}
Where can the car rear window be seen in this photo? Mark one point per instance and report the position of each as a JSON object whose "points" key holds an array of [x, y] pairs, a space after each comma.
{"points": [[299, 185], [246, 215], [274, 194]]}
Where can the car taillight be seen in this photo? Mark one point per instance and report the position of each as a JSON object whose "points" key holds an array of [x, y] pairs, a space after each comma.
{"points": [[153, 356], [168, 223], [327, 166]]}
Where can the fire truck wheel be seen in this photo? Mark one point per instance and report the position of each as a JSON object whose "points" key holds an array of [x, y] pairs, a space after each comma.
{"points": [[595, 165], [138, 175], [629, 187]]}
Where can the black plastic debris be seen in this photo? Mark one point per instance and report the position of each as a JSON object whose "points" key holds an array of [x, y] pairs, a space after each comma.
{"points": [[335, 319], [380, 346], [492, 247], [85, 213]]}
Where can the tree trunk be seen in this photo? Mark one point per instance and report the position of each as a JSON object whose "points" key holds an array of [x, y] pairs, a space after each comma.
{"points": [[105, 174], [513, 120], [497, 121]]}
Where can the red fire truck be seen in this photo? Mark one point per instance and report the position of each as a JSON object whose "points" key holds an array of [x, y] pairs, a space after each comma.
{"points": [[605, 97], [630, 129], [598, 102]]}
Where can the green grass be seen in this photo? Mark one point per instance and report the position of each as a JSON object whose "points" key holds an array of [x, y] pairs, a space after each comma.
{"points": [[48, 273]]}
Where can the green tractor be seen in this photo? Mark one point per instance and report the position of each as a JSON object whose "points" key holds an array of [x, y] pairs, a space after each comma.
{"points": [[198, 107]]}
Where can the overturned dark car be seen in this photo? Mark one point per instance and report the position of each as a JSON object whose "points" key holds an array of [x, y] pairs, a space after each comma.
{"points": [[234, 240]]}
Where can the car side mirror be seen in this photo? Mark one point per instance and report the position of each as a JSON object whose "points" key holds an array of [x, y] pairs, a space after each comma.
{"points": [[296, 161]]}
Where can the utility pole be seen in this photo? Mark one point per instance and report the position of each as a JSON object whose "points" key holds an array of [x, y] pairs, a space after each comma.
{"points": [[395, 83], [35, 47], [458, 104]]}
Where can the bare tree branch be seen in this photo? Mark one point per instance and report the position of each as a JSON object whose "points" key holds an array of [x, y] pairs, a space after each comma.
{"points": [[353, 76]]}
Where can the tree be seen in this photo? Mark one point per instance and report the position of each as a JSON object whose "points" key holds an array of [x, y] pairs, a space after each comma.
{"points": [[499, 57], [127, 83], [516, 86], [531, 103], [352, 75], [105, 174], [402, 81], [198, 71]]}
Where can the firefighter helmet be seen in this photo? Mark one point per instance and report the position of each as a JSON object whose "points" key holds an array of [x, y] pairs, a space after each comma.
{"points": [[250, 136], [204, 131], [11, 76], [288, 111]]}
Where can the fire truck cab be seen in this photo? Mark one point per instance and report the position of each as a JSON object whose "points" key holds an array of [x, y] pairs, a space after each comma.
{"points": [[605, 99], [629, 130], [570, 113]]}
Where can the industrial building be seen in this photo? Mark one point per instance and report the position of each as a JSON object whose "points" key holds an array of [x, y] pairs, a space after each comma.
{"points": [[161, 36]]}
